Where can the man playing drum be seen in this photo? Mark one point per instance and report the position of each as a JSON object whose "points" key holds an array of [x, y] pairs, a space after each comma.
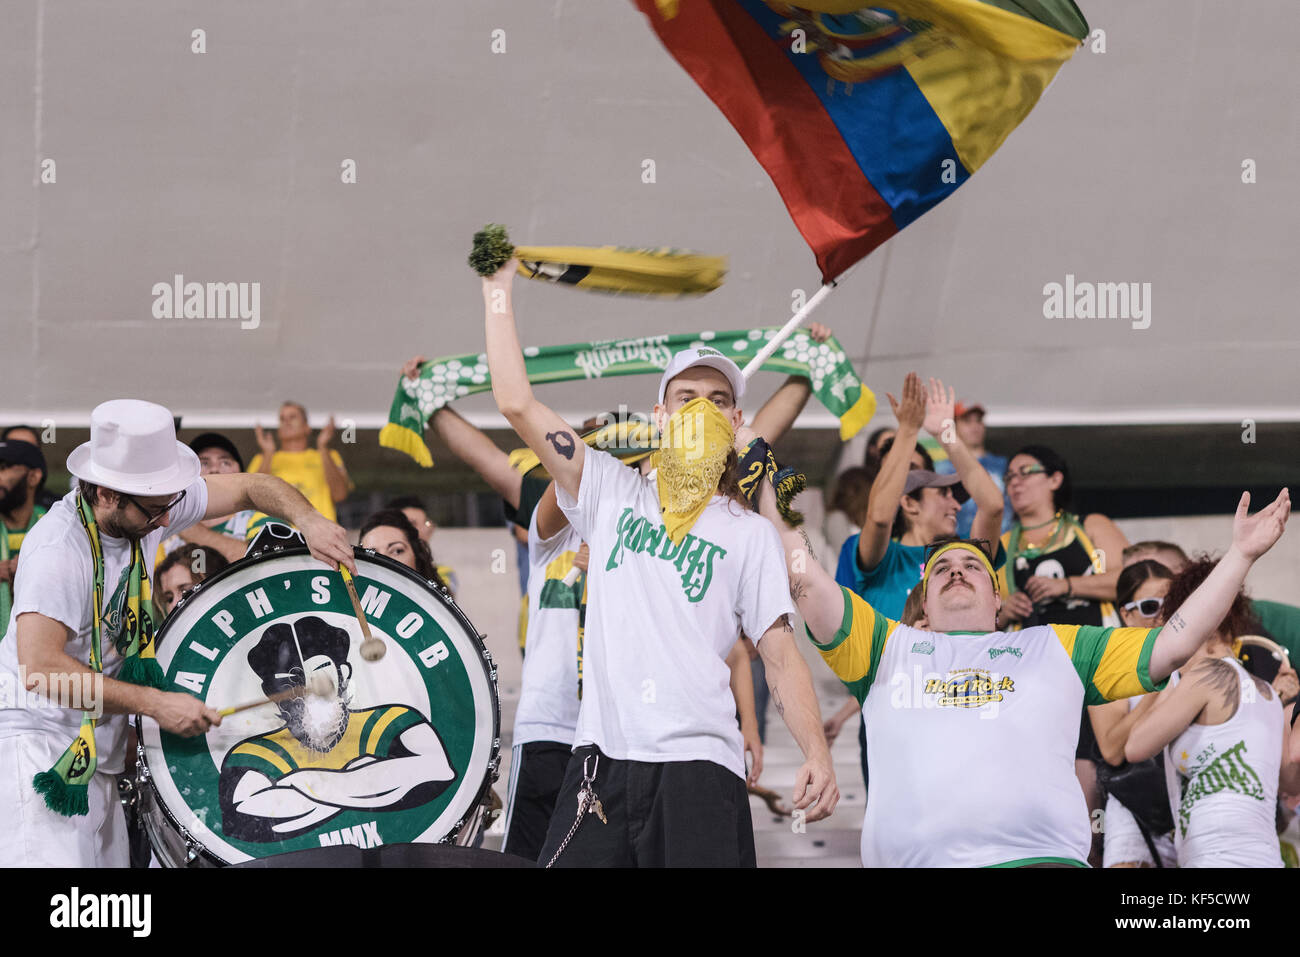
{"points": [[678, 568], [78, 656]]}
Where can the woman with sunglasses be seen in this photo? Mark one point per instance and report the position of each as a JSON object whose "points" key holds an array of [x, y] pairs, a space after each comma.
{"points": [[1223, 737], [1129, 839]]}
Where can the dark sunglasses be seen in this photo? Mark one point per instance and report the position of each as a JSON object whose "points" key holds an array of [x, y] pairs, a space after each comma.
{"points": [[1023, 472], [158, 516], [1147, 607]]}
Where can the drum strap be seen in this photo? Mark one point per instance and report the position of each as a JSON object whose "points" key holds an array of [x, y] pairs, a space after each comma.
{"points": [[65, 786]]}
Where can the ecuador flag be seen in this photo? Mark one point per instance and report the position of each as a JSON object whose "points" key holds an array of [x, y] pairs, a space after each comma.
{"points": [[866, 117]]}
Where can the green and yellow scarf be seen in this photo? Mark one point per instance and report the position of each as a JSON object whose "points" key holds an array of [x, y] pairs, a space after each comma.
{"points": [[65, 786]]}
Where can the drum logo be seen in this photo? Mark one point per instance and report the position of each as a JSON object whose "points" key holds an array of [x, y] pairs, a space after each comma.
{"points": [[327, 756]]}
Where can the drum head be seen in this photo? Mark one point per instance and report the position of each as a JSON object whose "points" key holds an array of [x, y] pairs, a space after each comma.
{"points": [[393, 751]]}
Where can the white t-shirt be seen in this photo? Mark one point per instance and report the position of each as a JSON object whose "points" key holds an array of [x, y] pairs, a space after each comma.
{"points": [[548, 698], [55, 578], [661, 618]]}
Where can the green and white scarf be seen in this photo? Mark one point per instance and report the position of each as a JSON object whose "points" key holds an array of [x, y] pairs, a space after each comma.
{"points": [[66, 785], [834, 381]]}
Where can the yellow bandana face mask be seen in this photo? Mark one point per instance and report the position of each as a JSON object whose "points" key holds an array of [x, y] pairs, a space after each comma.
{"points": [[691, 458]]}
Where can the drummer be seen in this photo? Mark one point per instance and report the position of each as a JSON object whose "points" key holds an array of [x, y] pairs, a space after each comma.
{"points": [[62, 742]]}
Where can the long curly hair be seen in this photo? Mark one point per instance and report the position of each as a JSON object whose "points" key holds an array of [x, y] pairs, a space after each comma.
{"points": [[1240, 619]]}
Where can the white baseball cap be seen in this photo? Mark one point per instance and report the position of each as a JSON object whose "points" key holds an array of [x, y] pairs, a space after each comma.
{"points": [[703, 356], [133, 449]]}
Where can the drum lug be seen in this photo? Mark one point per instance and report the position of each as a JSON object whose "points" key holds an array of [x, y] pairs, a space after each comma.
{"points": [[141, 765], [191, 847]]}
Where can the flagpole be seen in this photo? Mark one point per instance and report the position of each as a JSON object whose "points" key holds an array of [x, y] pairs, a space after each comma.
{"points": [[786, 331]]}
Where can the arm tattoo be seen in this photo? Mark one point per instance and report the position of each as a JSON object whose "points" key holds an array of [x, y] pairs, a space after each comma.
{"points": [[806, 543], [778, 703], [784, 622], [797, 590], [1177, 624], [562, 442]]}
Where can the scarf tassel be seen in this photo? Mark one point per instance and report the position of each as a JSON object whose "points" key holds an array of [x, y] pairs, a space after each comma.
{"points": [[789, 482], [145, 672], [70, 800]]}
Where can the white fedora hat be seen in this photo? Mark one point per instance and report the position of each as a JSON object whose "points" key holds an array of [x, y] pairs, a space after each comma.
{"points": [[133, 449]]}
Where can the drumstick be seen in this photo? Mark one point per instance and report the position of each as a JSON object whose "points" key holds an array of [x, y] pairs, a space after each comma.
{"points": [[317, 686], [372, 648]]}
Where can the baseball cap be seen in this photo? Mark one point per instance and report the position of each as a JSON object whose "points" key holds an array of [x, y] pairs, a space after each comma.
{"points": [[215, 440], [924, 478], [703, 356], [15, 452], [961, 409]]}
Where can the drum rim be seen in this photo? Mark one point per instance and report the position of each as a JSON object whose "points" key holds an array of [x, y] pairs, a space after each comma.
{"points": [[486, 661]]}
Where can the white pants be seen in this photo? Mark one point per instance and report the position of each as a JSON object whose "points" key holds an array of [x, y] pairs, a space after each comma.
{"points": [[1124, 843], [34, 836]]}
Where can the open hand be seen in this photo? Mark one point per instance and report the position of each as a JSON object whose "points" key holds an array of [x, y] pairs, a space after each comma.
{"points": [[911, 411], [265, 441], [326, 435], [411, 368], [939, 408], [1253, 535]]}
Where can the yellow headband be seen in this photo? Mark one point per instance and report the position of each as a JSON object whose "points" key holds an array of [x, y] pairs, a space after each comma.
{"points": [[966, 546]]}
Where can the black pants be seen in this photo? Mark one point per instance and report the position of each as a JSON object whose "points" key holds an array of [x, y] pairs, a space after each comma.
{"points": [[534, 786], [670, 814]]}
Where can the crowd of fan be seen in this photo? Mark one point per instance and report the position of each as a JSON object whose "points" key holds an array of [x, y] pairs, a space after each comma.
{"points": [[1055, 566]]}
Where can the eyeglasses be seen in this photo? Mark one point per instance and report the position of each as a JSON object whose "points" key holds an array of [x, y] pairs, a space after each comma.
{"points": [[1023, 472], [1147, 607], [158, 516]]}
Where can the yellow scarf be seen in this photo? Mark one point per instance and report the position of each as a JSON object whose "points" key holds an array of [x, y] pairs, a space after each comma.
{"points": [[691, 458]]}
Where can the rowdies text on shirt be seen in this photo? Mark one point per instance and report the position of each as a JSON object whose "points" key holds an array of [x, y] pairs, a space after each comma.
{"points": [[694, 557]]}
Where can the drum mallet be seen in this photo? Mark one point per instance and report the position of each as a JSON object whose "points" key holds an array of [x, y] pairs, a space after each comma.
{"points": [[319, 686], [372, 648]]}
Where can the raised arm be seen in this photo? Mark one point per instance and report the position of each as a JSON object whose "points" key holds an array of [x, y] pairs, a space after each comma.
{"points": [[778, 413], [1201, 613], [887, 489], [940, 423], [818, 598], [559, 448]]}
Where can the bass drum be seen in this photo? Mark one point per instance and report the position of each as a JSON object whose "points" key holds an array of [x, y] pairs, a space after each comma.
{"points": [[402, 750]]}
